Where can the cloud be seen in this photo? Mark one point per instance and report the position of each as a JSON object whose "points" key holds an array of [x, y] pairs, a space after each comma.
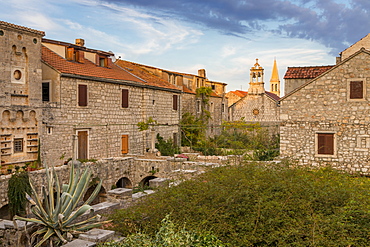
{"points": [[333, 23]]}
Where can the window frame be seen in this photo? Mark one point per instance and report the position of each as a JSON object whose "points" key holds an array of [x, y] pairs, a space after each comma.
{"points": [[349, 83], [15, 149], [125, 96], [175, 102], [49, 91], [334, 153], [79, 101]]}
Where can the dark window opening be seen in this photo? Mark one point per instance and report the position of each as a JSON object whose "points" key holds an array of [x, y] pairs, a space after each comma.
{"points": [[124, 98], [46, 91], [325, 143], [175, 99], [356, 90], [82, 95]]}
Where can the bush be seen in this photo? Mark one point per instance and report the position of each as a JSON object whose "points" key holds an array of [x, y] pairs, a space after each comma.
{"points": [[167, 148], [260, 205], [169, 235]]}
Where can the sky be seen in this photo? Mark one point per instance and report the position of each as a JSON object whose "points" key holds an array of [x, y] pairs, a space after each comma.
{"points": [[224, 37]]}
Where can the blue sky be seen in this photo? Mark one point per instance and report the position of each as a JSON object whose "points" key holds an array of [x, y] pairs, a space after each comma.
{"points": [[222, 36]]}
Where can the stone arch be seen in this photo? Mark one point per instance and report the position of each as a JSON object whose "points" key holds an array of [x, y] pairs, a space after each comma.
{"points": [[32, 118], [101, 197], [5, 116], [4, 212], [145, 181], [124, 182]]}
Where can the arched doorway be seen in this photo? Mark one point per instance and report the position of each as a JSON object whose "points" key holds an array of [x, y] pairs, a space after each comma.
{"points": [[101, 197], [144, 183], [124, 183]]}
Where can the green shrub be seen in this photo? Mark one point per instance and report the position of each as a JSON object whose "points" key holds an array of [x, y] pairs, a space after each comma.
{"points": [[169, 235], [262, 205], [167, 148]]}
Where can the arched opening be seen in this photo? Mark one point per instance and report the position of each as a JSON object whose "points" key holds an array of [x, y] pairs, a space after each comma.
{"points": [[145, 181], [4, 212], [124, 183], [101, 197]]}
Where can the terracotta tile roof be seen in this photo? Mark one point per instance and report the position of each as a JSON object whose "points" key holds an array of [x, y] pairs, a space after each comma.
{"points": [[82, 48], [87, 68], [239, 93], [22, 28], [148, 77], [273, 96], [306, 72]]}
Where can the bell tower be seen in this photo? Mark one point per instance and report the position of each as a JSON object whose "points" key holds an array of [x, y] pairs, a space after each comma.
{"points": [[256, 84], [275, 81]]}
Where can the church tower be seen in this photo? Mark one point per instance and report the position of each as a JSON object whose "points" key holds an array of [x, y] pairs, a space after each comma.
{"points": [[275, 81], [256, 84]]}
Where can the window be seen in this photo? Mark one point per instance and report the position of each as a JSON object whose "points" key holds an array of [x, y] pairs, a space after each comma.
{"points": [[46, 91], [198, 106], [356, 90], [212, 107], [174, 102], [18, 145], [124, 141], [222, 107], [102, 61], [325, 143], [124, 98], [82, 95]]}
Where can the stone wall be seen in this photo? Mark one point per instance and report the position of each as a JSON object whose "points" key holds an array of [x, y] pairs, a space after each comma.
{"points": [[255, 108], [104, 118], [20, 93], [291, 84], [323, 106]]}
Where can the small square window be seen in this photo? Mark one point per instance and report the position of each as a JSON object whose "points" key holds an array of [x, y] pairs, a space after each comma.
{"points": [[325, 143], [18, 145]]}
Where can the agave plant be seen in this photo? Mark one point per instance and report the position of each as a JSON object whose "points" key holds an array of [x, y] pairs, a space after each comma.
{"points": [[56, 215]]}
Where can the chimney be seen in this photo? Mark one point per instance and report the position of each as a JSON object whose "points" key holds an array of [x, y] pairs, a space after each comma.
{"points": [[202, 73], [80, 42]]}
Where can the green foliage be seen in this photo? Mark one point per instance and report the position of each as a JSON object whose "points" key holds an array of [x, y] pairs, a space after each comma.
{"points": [[144, 125], [167, 148], [262, 205], [56, 215], [192, 129], [169, 235], [18, 186]]}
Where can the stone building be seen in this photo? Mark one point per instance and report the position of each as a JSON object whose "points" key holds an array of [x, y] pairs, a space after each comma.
{"points": [[190, 102], [88, 97], [326, 120], [20, 97], [257, 105]]}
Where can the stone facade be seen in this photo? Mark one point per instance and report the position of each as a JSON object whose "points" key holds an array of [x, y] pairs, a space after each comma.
{"points": [[257, 106], [104, 119], [326, 120], [20, 95]]}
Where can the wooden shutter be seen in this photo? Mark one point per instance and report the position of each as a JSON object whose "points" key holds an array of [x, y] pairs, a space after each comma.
{"points": [[70, 53], [174, 101], [356, 90], [82, 95], [82, 145], [124, 98], [325, 143], [124, 141], [81, 56]]}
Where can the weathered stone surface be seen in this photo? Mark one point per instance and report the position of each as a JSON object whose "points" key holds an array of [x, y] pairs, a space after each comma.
{"points": [[96, 235], [80, 243]]}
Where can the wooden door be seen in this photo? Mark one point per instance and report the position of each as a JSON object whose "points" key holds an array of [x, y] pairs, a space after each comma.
{"points": [[124, 140], [82, 145]]}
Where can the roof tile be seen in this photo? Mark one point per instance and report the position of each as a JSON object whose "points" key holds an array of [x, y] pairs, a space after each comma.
{"points": [[309, 72]]}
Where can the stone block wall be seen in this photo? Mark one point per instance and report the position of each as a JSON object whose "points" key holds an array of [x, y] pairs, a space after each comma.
{"points": [[323, 106], [104, 118]]}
